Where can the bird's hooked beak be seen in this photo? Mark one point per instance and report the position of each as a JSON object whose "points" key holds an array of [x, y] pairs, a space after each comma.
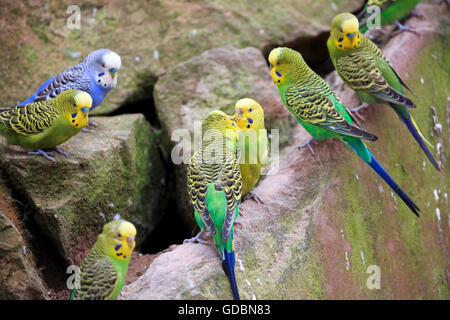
{"points": [[351, 36], [239, 114], [113, 72], [85, 111], [130, 241]]}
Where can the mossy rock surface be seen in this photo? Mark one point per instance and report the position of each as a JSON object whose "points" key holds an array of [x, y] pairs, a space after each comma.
{"points": [[116, 169]]}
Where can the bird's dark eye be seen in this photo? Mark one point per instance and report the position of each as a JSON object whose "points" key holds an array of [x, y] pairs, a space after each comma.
{"points": [[119, 235], [74, 105], [278, 63], [250, 110], [103, 65]]}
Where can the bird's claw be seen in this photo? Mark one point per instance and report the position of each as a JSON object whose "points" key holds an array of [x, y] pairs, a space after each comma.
{"points": [[61, 151], [253, 195], [196, 239], [356, 110], [92, 124], [87, 130], [402, 28], [44, 154], [307, 144], [237, 224]]}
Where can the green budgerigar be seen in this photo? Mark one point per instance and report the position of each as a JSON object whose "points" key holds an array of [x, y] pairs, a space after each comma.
{"points": [[103, 271], [363, 66], [391, 11], [46, 124], [215, 187], [321, 112], [253, 143]]}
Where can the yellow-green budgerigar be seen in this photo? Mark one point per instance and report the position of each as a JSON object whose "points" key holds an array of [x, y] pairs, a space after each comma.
{"points": [[103, 271], [321, 112], [253, 143], [363, 66], [46, 124], [215, 187]]}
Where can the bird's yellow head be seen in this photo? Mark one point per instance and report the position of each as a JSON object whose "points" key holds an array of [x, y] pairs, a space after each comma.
{"points": [[218, 120], [77, 108], [248, 114], [284, 64], [119, 237], [345, 32]]}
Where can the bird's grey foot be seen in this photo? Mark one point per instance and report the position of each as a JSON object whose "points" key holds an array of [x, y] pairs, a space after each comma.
{"points": [[61, 151], [237, 224], [197, 239], [307, 144], [92, 124], [44, 154], [87, 130], [359, 108], [402, 28], [253, 195], [417, 13]]}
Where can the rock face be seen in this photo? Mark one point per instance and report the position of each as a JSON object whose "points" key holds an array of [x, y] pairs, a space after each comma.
{"points": [[329, 227], [19, 278], [151, 38], [216, 79], [117, 169]]}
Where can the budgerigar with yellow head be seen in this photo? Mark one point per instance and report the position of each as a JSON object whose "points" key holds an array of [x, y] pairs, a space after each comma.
{"points": [[46, 124], [215, 187], [363, 66], [104, 269], [253, 143], [320, 111]]}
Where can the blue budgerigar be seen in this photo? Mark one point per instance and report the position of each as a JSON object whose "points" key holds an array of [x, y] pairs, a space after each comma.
{"points": [[96, 75]]}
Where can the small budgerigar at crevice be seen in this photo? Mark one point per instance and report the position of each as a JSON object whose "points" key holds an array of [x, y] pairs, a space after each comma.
{"points": [[321, 112], [391, 11], [215, 187], [103, 271], [253, 144], [46, 124], [363, 66], [96, 74]]}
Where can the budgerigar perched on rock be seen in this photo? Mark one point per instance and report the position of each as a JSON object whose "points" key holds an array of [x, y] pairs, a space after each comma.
{"points": [[363, 66], [97, 75], [103, 271], [215, 187], [391, 11], [321, 112], [46, 124], [249, 116]]}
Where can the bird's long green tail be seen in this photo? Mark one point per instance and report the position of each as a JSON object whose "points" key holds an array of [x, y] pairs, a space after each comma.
{"points": [[360, 148], [228, 264], [408, 120]]}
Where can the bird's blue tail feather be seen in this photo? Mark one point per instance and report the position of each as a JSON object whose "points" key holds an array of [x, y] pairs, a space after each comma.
{"points": [[417, 134], [228, 267], [376, 166]]}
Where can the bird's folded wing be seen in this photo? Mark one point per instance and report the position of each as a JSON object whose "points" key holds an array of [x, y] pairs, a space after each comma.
{"points": [[360, 71], [30, 119], [98, 280], [318, 108], [73, 78]]}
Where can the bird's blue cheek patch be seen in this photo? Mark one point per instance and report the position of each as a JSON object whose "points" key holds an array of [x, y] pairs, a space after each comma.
{"points": [[341, 39], [250, 120], [74, 115], [101, 74], [278, 74], [118, 247]]}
